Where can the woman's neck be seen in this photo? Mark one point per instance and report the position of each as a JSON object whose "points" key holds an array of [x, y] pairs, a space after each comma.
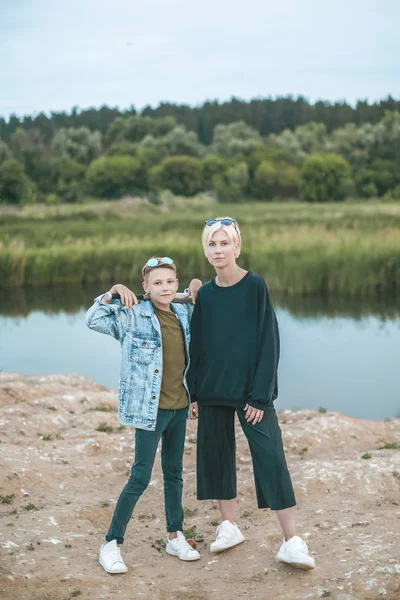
{"points": [[229, 276]]}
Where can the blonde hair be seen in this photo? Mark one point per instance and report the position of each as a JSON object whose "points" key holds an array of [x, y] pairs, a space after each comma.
{"points": [[232, 231], [146, 270]]}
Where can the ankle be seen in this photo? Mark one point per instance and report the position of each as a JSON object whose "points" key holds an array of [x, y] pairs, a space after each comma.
{"points": [[173, 535]]}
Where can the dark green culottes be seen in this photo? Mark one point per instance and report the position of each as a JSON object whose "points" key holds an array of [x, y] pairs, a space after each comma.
{"points": [[216, 457]]}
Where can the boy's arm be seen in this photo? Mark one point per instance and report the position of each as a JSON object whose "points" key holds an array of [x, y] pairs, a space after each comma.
{"points": [[110, 318], [264, 382]]}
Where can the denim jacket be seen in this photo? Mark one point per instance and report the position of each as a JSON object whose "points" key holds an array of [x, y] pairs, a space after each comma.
{"points": [[139, 333]]}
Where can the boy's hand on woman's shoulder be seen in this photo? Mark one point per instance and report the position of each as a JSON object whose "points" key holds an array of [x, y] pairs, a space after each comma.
{"points": [[128, 298]]}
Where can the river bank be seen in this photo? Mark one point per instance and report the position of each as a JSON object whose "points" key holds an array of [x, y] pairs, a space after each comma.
{"points": [[331, 249], [65, 458]]}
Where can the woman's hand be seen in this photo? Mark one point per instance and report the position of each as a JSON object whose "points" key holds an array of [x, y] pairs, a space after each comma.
{"points": [[128, 298], [253, 415], [193, 411]]}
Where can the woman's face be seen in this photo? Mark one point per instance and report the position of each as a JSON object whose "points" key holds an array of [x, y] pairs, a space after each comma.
{"points": [[219, 251]]}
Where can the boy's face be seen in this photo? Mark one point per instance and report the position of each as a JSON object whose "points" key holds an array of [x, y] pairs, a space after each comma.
{"points": [[219, 251], [162, 286]]}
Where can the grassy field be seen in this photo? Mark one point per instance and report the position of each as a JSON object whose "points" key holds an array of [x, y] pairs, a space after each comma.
{"points": [[346, 248]]}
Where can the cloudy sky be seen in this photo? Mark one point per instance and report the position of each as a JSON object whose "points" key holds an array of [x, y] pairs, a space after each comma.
{"points": [[55, 54]]}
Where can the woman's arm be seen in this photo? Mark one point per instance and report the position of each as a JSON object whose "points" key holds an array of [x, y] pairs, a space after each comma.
{"points": [[263, 390], [194, 349]]}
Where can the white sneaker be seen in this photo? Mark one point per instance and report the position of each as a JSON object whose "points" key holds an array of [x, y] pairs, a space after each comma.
{"points": [[228, 535], [295, 552], [179, 547], [111, 559]]}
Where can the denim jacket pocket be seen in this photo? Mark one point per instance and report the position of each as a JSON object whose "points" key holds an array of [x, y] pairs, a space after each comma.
{"points": [[143, 350]]}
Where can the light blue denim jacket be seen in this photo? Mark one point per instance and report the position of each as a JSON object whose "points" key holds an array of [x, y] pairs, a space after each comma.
{"points": [[139, 333]]}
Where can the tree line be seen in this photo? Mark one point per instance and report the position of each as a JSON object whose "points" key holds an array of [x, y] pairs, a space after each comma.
{"points": [[263, 149]]}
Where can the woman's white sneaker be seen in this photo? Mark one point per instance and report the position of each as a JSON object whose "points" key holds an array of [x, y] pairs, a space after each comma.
{"points": [[179, 547], [228, 535], [295, 552], [111, 559]]}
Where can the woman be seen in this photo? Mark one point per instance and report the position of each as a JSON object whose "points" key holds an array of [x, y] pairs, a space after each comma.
{"points": [[234, 353]]}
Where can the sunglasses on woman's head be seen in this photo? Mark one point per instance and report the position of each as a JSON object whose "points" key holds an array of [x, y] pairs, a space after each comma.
{"points": [[155, 262], [222, 221]]}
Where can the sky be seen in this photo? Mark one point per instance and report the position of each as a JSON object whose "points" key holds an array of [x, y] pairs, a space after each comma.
{"points": [[56, 54]]}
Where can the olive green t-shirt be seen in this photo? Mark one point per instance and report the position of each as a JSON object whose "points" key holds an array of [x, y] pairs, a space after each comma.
{"points": [[173, 393]]}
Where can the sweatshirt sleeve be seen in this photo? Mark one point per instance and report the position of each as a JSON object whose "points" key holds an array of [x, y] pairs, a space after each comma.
{"points": [[110, 319], [265, 385], [194, 349]]}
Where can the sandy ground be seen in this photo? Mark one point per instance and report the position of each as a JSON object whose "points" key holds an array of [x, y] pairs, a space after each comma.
{"points": [[61, 477]]}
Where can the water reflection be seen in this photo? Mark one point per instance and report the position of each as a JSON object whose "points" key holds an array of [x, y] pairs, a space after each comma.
{"points": [[337, 353]]}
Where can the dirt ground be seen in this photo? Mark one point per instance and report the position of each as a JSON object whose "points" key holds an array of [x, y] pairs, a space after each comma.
{"points": [[61, 477]]}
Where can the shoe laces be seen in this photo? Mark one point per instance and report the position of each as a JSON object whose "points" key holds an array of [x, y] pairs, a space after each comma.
{"points": [[300, 544], [115, 554], [223, 532]]}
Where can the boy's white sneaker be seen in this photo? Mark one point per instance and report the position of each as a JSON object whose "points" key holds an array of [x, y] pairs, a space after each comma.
{"points": [[111, 559], [228, 535], [295, 552], [181, 548]]}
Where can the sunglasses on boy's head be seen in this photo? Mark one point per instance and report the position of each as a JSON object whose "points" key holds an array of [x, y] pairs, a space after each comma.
{"points": [[222, 221], [155, 262]]}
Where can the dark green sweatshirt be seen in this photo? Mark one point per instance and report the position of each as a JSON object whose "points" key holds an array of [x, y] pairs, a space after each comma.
{"points": [[234, 348]]}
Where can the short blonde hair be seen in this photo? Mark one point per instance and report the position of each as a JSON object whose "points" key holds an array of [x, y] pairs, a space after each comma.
{"points": [[232, 231], [146, 270]]}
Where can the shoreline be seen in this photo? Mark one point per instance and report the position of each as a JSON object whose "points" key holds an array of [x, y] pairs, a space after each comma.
{"points": [[65, 459]]}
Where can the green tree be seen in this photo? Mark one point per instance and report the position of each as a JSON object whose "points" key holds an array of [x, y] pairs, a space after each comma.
{"points": [[15, 186], [325, 177], [272, 180], [122, 149], [212, 165], [230, 186], [79, 144], [235, 138], [113, 176], [178, 142], [381, 176], [134, 128], [70, 184], [180, 174], [5, 152]]}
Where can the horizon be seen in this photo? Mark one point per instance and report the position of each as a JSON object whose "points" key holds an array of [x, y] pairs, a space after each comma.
{"points": [[138, 110]]}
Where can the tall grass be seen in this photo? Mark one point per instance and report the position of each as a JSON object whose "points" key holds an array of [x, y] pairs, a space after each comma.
{"points": [[331, 249]]}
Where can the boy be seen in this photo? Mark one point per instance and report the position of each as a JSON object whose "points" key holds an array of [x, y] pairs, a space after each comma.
{"points": [[153, 396]]}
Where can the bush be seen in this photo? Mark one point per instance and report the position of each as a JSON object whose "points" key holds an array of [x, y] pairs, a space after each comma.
{"points": [[113, 176], [231, 185], [212, 165], [325, 177], [273, 180], [15, 185], [180, 174]]}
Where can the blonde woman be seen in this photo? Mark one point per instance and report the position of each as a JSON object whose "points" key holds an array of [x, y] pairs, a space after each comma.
{"points": [[234, 354]]}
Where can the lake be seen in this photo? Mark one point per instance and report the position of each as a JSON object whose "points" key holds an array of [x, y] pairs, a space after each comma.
{"points": [[339, 354]]}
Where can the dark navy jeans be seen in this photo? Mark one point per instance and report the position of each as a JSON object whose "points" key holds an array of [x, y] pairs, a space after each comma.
{"points": [[171, 429]]}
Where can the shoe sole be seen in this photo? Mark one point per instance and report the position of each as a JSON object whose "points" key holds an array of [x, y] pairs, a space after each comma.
{"points": [[220, 549], [172, 553], [113, 572], [297, 564]]}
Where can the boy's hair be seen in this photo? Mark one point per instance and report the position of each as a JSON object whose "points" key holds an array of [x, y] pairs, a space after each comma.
{"points": [[232, 231], [146, 270]]}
